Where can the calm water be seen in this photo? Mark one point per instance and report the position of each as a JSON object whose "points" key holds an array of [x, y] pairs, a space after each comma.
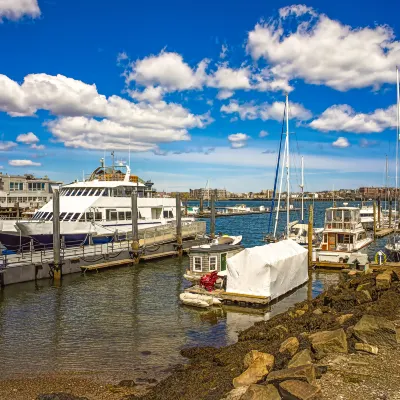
{"points": [[126, 322]]}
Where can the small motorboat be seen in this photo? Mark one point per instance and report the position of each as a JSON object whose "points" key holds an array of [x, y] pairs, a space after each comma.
{"points": [[198, 300], [227, 239]]}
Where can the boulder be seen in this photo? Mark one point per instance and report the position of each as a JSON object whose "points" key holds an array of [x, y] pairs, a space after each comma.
{"points": [[317, 311], [59, 396], [376, 330], [290, 345], [343, 318], [127, 383], [280, 331], [367, 348], [363, 286], [303, 357], [299, 390], [304, 373], [261, 392], [258, 365], [363, 296], [383, 280], [327, 342], [236, 394]]}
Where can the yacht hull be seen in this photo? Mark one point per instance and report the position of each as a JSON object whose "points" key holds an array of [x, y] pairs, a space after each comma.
{"points": [[14, 241]]}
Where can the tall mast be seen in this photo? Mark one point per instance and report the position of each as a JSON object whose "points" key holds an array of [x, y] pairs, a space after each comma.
{"points": [[287, 169], [280, 191], [302, 189], [397, 139], [386, 184]]}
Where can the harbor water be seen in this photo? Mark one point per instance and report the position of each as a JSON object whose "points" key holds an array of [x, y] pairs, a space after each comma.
{"points": [[126, 323]]}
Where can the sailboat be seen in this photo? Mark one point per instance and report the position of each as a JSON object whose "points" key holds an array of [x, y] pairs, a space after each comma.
{"points": [[393, 246]]}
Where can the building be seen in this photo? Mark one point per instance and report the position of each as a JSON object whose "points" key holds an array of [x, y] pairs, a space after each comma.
{"points": [[372, 192], [25, 190], [207, 193]]}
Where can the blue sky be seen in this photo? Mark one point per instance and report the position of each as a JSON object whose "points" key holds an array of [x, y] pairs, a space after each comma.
{"points": [[198, 90]]}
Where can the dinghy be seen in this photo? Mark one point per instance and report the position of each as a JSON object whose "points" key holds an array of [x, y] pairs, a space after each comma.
{"points": [[198, 300]]}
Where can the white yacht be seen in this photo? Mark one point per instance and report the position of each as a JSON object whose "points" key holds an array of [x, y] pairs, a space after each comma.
{"points": [[299, 233], [98, 210], [344, 238]]}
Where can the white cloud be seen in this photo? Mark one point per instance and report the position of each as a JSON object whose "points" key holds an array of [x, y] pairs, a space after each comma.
{"points": [[266, 111], [151, 94], [167, 70], [24, 163], [341, 142], [16, 9], [263, 134], [38, 146], [224, 94], [7, 145], [323, 51], [342, 118], [230, 79], [69, 98], [224, 51], [364, 143], [27, 138], [238, 140]]}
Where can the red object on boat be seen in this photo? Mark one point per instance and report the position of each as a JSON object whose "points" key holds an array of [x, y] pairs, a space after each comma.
{"points": [[208, 281]]}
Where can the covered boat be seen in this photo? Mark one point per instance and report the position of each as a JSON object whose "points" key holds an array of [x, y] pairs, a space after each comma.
{"points": [[271, 270]]}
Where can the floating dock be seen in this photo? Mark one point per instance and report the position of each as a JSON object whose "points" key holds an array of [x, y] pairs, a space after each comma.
{"points": [[380, 233], [155, 243]]}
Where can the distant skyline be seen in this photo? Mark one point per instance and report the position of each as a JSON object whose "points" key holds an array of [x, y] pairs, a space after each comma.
{"points": [[197, 90]]}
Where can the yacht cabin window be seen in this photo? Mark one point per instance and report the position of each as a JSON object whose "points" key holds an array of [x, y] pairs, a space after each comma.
{"points": [[75, 216], [197, 264], [68, 217]]}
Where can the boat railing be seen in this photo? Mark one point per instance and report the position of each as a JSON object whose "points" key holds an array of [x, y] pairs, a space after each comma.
{"points": [[341, 225], [35, 253]]}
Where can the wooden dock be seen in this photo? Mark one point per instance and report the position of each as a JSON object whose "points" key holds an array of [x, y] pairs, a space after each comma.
{"points": [[380, 233], [232, 298]]}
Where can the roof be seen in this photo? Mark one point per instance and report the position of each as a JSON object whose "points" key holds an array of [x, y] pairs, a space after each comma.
{"points": [[216, 248], [343, 208], [102, 184]]}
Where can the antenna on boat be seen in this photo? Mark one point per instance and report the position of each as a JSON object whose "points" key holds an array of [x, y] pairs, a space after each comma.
{"points": [[302, 189], [129, 151], [287, 169], [397, 140]]}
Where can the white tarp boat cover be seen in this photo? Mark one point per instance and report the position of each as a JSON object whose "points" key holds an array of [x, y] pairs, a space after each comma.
{"points": [[270, 270]]}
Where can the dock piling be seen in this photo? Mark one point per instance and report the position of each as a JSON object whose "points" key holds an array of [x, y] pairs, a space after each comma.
{"points": [[374, 207], [379, 212], [390, 213], [201, 210], [310, 235], [179, 225], [56, 236], [212, 220], [135, 230]]}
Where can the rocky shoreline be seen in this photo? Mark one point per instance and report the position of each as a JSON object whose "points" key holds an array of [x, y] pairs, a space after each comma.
{"points": [[341, 345]]}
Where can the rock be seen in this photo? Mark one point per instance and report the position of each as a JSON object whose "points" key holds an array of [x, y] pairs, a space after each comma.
{"points": [[59, 396], [363, 296], [317, 311], [327, 342], [258, 366], [363, 286], [320, 370], [299, 390], [261, 392], [280, 331], [368, 348], [303, 373], [303, 357], [344, 318], [383, 280], [146, 353], [236, 394], [299, 313], [290, 345], [127, 383], [376, 330]]}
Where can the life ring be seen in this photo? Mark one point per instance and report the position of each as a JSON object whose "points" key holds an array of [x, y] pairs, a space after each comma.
{"points": [[378, 255]]}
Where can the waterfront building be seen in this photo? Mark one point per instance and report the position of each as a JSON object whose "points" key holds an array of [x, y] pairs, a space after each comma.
{"points": [[206, 193], [25, 190]]}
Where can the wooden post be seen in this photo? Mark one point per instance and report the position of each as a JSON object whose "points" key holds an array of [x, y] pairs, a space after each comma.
{"points": [[201, 205], [310, 235], [379, 212], [135, 229], [56, 236], [17, 207], [179, 225], [212, 220], [186, 207], [390, 213], [374, 205]]}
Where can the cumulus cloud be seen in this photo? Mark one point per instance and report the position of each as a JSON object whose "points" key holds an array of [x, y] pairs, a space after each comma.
{"points": [[27, 138], [343, 118], [16, 9], [323, 51], [341, 143], [84, 114], [266, 111], [38, 146], [225, 94], [230, 79], [24, 163], [7, 145], [263, 134], [238, 140]]}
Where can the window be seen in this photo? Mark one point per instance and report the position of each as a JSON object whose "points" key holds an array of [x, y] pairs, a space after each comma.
{"points": [[85, 192], [36, 186], [128, 215], [105, 193], [212, 263], [165, 214], [75, 217], [197, 264], [44, 215], [98, 216], [68, 217], [50, 217], [16, 186], [79, 192], [62, 215], [89, 216], [121, 215]]}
